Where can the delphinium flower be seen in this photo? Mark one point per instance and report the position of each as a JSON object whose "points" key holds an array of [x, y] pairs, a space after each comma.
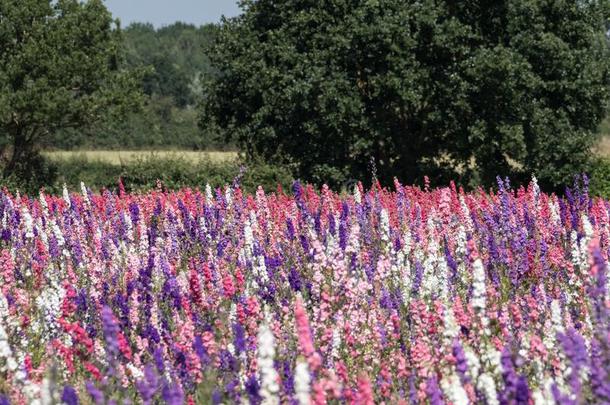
{"points": [[42, 198], [478, 299], [85, 193], [208, 194], [6, 353], [143, 240], [49, 306], [434, 392], [451, 329], [302, 381], [489, 361], [304, 336], [403, 267], [29, 391], [555, 329], [516, 389], [66, 195], [487, 386], [335, 344], [28, 222], [353, 250], [365, 391], [59, 238], [228, 197], [418, 287], [111, 337], [69, 396], [574, 279], [462, 363], [6, 232], [599, 344], [431, 284], [573, 346], [267, 374], [384, 224], [49, 393], [600, 383], [173, 394], [454, 391], [97, 396], [357, 194]]}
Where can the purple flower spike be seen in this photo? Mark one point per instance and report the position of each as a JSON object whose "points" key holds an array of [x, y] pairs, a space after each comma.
{"points": [[434, 393], [69, 396], [96, 395]]}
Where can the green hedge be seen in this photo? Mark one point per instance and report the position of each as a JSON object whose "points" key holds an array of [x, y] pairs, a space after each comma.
{"points": [[175, 173], [599, 174], [178, 172], [143, 174]]}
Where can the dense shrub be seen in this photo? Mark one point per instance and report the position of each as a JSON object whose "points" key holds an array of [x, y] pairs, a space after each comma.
{"points": [[31, 173], [172, 173], [94, 173]]}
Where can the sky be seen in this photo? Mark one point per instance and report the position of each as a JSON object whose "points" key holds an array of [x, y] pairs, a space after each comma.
{"points": [[165, 12]]}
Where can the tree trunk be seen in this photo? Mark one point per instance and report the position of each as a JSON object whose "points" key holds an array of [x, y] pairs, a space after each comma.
{"points": [[20, 151]]}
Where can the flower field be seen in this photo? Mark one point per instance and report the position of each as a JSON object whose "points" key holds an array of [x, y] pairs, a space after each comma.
{"points": [[309, 297]]}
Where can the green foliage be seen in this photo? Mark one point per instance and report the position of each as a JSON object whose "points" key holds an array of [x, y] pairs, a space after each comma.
{"points": [[171, 173], [160, 124], [176, 55], [31, 174], [455, 90], [604, 126], [59, 68], [175, 62], [97, 175], [599, 174]]}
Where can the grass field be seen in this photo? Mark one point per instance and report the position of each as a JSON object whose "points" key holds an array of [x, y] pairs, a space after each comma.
{"points": [[121, 156], [603, 148]]}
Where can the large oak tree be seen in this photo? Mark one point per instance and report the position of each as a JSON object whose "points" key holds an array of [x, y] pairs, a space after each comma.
{"points": [[460, 90]]}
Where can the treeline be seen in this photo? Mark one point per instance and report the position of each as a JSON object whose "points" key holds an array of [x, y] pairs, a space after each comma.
{"points": [[175, 65]]}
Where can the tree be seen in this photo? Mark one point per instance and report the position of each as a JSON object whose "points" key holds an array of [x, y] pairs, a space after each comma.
{"points": [[174, 67], [175, 53], [166, 78], [456, 90], [59, 68]]}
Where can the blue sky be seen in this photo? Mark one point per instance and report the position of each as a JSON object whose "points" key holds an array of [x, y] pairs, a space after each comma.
{"points": [[164, 12]]}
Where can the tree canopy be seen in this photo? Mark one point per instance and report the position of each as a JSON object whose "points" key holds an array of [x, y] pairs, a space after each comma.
{"points": [[175, 60], [454, 90], [178, 55], [60, 67]]}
